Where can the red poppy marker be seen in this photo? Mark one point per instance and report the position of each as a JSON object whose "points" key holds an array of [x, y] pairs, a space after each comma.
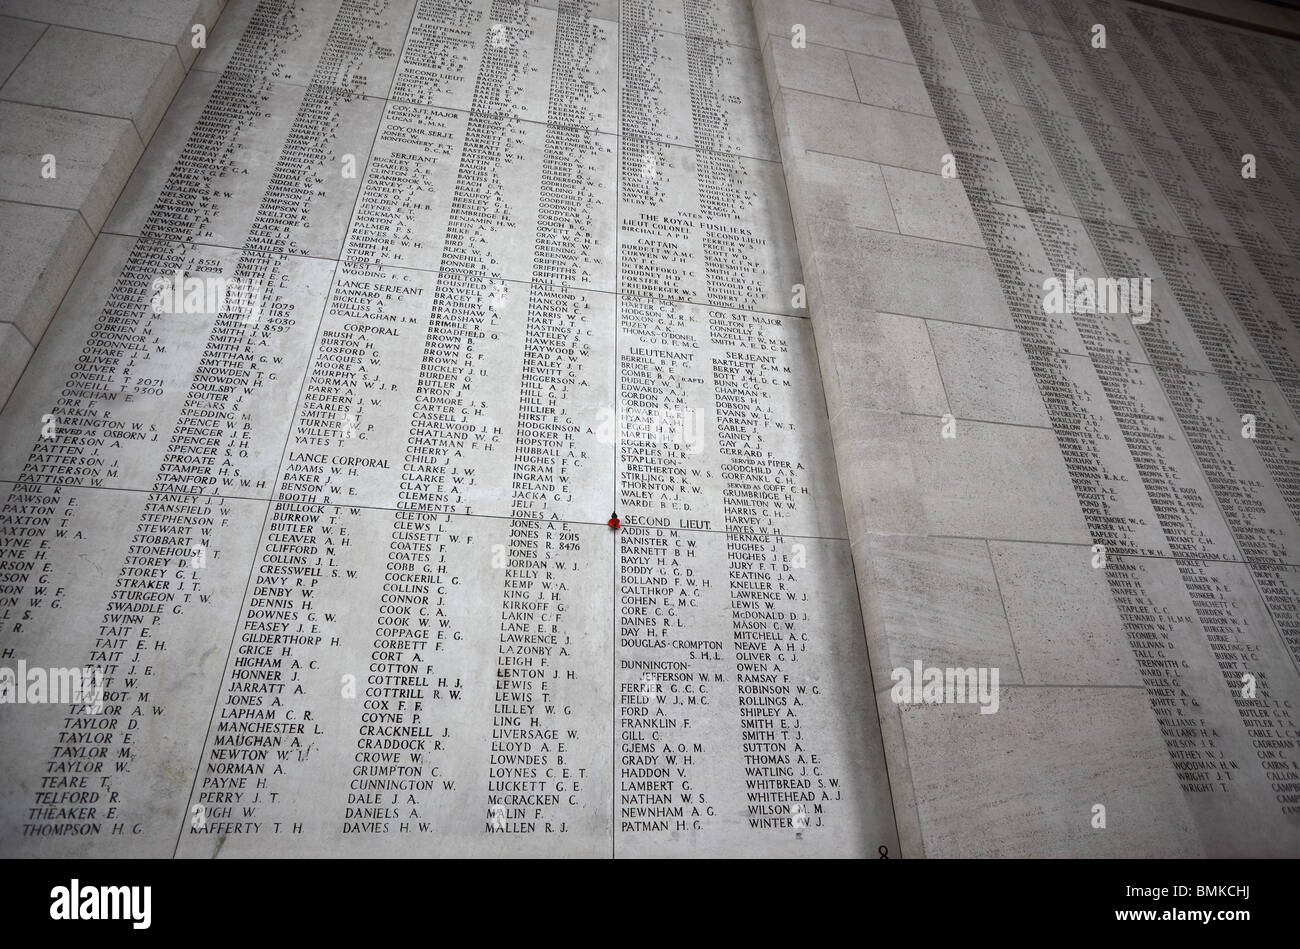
{"points": [[614, 522]]}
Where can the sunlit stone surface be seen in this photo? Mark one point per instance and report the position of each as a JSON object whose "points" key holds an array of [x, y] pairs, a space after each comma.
{"points": [[489, 428], [339, 540]]}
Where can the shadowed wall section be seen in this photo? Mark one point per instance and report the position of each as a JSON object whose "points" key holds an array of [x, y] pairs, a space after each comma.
{"points": [[946, 159]]}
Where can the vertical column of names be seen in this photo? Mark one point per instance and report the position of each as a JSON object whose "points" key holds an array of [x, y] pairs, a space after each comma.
{"points": [[732, 569]]}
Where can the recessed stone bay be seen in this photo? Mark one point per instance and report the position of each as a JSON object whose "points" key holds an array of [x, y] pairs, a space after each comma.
{"points": [[344, 405], [592, 428]]}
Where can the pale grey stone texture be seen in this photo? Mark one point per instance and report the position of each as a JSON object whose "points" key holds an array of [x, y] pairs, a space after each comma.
{"points": [[815, 68], [99, 74], [17, 37], [1102, 741], [894, 368], [14, 353], [169, 22], [1066, 626], [890, 84], [986, 375], [834, 188], [874, 361], [833, 26], [854, 130], [40, 251], [940, 604], [880, 477], [93, 154], [994, 481], [874, 7], [930, 205], [969, 291]]}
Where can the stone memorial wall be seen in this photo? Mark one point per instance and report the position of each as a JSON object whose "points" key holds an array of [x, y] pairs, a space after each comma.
{"points": [[1051, 248], [342, 545], [496, 428]]}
